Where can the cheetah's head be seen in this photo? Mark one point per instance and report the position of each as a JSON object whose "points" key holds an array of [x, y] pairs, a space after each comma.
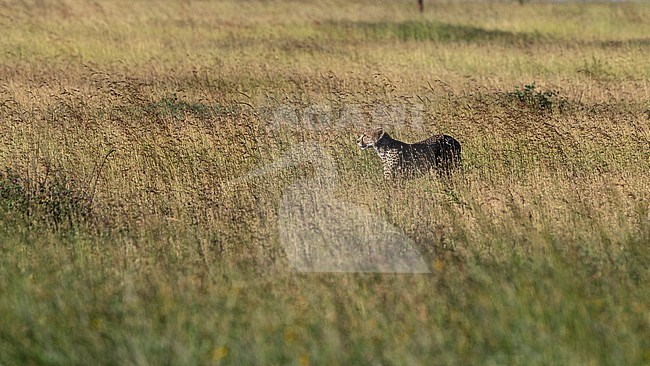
{"points": [[370, 138]]}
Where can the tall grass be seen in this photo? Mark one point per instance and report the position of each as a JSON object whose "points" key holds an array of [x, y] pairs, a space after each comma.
{"points": [[131, 230]]}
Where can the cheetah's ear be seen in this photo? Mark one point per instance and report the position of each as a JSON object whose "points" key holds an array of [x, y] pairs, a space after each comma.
{"points": [[379, 132]]}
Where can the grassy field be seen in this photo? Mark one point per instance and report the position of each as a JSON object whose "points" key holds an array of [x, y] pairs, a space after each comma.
{"points": [[137, 228]]}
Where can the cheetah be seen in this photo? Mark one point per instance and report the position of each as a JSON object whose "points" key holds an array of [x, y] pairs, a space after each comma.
{"points": [[440, 153]]}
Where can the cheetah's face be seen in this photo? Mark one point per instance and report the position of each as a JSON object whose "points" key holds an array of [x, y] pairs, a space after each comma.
{"points": [[370, 138]]}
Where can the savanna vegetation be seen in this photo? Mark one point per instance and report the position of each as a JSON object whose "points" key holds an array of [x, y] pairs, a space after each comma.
{"points": [[123, 125]]}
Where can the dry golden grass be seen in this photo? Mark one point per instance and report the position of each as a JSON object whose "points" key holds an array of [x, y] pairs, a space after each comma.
{"points": [[127, 238]]}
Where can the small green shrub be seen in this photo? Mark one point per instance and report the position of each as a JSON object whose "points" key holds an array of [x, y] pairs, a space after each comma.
{"points": [[532, 98], [597, 70], [177, 108]]}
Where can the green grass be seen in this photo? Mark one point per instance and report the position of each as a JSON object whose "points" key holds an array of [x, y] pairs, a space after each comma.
{"points": [[132, 233]]}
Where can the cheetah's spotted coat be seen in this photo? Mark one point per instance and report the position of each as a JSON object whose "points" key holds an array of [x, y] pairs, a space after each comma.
{"points": [[440, 153]]}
